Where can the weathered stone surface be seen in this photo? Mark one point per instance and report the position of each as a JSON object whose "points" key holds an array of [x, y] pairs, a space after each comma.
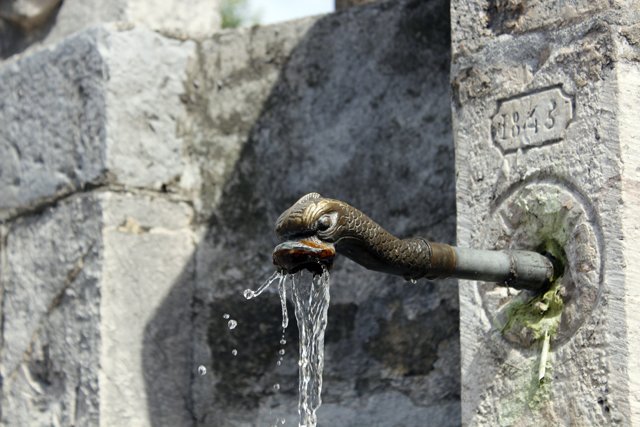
{"points": [[361, 119], [341, 4], [51, 274], [31, 23], [526, 189], [628, 82], [182, 19], [478, 23], [76, 120], [145, 373], [354, 105], [81, 281], [52, 122], [227, 88], [75, 116], [142, 107]]}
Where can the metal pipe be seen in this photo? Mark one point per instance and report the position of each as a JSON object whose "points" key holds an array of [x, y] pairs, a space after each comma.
{"points": [[517, 269], [314, 229]]}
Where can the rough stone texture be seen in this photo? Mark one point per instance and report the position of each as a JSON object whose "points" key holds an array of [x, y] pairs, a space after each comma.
{"points": [[92, 237], [51, 273], [516, 68], [81, 281], [628, 83], [28, 23], [142, 107], [341, 4], [359, 111], [223, 107], [148, 244], [74, 116], [55, 96]]}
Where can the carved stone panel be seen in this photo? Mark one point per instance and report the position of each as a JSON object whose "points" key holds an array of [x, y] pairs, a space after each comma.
{"points": [[531, 120]]}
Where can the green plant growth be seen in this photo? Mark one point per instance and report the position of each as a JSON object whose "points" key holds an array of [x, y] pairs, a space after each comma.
{"points": [[235, 13], [541, 313], [528, 392], [545, 217]]}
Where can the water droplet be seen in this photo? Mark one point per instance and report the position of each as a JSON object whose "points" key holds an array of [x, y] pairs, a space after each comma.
{"points": [[279, 362], [281, 351], [202, 370], [234, 352], [276, 386], [283, 341], [414, 281], [248, 293], [232, 324], [226, 316], [282, 421]]}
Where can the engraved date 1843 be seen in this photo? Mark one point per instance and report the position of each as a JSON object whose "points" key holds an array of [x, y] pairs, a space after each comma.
{"points": [[532, 120]]}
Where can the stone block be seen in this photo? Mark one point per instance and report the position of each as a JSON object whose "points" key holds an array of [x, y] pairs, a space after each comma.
{"points": [[546, 160], [33, 23], [95, 230], [77, 115], [145, 373], [51, 278], [81, 281]]}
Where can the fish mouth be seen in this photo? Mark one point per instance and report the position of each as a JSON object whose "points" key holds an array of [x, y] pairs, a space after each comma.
{"points": [[308, 253]]}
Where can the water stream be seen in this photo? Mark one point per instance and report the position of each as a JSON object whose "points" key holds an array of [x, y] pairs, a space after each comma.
{"points": [[310, 294]]}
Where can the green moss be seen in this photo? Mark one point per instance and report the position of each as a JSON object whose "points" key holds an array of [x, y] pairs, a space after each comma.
{"points": [[546, 220], [540, 314], [528, 392]]}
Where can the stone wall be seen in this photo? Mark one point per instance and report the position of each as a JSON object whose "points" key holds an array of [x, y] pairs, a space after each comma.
{"points": [[341, 4], [141, 177], [85, 150], [28, 24], [546, 157]]}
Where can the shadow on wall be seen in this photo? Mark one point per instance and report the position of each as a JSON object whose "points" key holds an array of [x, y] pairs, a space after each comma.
{"points": [[361, 113]]}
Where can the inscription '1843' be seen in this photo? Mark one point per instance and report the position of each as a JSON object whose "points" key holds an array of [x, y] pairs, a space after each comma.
{"points": [[532, 120]]}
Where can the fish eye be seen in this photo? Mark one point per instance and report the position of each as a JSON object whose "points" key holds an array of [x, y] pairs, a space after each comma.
{"points": [[324, 223]]}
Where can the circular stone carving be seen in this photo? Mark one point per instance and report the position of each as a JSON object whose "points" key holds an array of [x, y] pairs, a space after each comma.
{"points": [[533, 217]]}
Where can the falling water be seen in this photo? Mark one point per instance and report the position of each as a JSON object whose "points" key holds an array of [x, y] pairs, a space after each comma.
{"points": [[282, 290], [311, 301]]}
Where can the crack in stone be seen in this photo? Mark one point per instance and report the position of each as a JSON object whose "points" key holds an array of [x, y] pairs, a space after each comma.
{"points": [[71, 276], [40, 205], [37, 206]]}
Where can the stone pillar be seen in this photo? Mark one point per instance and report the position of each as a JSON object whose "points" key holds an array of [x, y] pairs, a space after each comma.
{"points": [[96, 228], [547, 158]]}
